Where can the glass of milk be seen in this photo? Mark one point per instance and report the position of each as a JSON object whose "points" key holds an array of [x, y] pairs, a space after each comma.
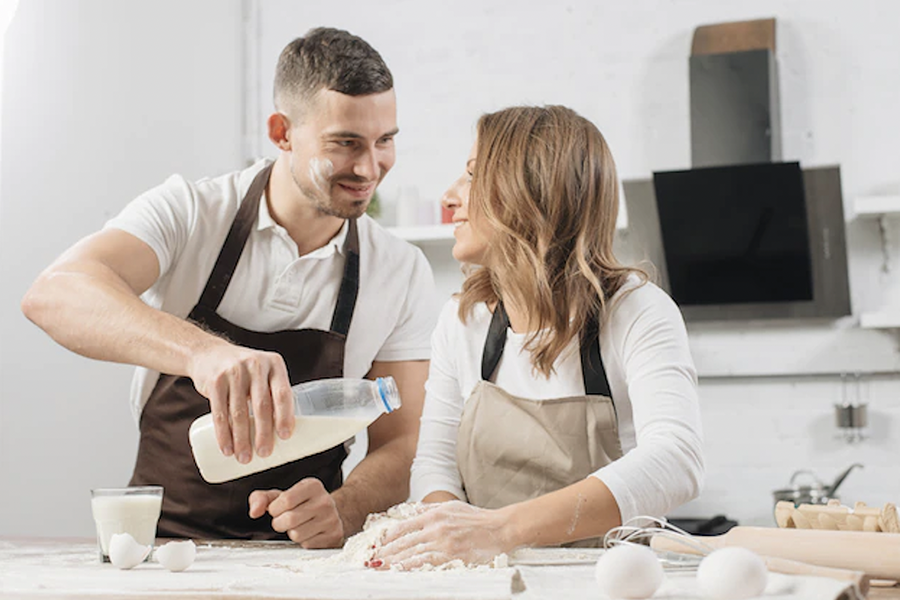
{"points": [[133, 510]]}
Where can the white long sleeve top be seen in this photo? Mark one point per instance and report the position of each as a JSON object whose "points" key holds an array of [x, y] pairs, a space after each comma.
{"points": [[651, 375]]}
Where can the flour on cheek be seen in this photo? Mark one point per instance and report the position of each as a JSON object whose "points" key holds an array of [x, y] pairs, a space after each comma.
{"points": [[320, 172]]}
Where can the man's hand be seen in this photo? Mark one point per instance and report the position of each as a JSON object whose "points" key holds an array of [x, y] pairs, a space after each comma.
{"points": [[306, 512], [233, 378]]}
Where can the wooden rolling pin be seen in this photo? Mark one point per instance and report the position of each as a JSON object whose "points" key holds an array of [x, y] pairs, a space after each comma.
{"points": [[875, 554], [793, 567]]}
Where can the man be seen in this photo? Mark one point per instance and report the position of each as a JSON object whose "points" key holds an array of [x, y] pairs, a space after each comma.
{"points": [[227, 291]]}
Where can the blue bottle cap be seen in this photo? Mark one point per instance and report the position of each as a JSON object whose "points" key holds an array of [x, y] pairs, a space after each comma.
{"points": [[390, 396]]}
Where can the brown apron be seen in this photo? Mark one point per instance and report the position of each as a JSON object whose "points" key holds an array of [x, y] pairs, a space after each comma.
{"points": [[192, 507], [512, 449]]}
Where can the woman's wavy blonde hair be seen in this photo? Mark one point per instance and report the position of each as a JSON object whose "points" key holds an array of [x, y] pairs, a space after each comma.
{"points": [[544, 184]]}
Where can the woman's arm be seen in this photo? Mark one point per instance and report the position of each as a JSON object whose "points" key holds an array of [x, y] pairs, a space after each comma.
{"points": [[455, 530], [665, 469], [434, 469]]}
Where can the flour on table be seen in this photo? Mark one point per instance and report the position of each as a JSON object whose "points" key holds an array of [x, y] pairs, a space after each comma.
{"points": [[361, 547]]}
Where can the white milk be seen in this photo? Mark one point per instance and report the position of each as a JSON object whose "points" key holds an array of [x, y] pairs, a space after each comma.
{"points": [[134, 514], [311, 436]]}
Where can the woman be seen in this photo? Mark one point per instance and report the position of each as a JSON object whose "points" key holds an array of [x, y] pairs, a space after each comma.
{"points": [[562, 398]]}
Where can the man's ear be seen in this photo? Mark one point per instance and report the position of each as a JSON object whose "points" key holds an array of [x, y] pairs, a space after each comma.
{"points": [[280, 130]]}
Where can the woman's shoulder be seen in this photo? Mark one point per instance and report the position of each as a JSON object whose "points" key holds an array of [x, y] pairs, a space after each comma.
{"points": [[478, 318], [639, 298]]}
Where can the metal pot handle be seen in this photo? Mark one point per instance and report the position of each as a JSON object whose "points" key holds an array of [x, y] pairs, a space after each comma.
{"points": [[818, 481], [840, 479]]}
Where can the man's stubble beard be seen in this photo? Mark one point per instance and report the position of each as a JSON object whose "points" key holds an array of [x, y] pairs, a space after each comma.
{"points": [[322, 201]]}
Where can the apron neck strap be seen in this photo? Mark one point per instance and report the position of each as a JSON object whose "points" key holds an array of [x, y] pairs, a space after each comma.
{"points": [[592, 369], [346, 302], [231, 250], [496, 340]]}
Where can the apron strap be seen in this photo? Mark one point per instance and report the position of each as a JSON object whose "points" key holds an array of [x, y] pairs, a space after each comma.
{"points": [[231, 250], [592, 369], [346, 301], [496, 340]]}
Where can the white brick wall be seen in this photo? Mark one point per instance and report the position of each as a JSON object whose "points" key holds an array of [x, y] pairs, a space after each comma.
{"points": [[758, 431]]}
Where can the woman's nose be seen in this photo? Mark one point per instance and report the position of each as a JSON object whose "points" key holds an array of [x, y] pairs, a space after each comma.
{"points": [[451, 200]]}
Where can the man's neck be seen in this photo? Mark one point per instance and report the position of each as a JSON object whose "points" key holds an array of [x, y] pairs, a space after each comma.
{"points": [[309, 228]]}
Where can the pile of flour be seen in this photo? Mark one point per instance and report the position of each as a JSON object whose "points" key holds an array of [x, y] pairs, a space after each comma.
{"points": [[360, 548]]}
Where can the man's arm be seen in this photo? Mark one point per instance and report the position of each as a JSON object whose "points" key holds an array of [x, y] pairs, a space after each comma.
{"points": [[381, 479], [316, 519], [88, 300]]}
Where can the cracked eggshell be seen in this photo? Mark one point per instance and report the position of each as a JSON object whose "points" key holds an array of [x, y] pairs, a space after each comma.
{"points": [[628, 571], [176, 556], [732, 573], [125, 552]]}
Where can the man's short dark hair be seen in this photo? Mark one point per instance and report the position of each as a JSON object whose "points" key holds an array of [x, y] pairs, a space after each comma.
{"points": [[330, 59]]}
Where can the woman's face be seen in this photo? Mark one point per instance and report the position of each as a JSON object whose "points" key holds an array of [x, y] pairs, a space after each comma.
{"points": [[471, 241]]}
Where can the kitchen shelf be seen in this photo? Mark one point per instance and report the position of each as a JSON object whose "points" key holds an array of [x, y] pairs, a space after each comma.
{"points": [[424, 233], [880, 320], [876, 206]]}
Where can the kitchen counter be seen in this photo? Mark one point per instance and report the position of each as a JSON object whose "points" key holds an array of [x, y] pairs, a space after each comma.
{"points": [[70, 568]]}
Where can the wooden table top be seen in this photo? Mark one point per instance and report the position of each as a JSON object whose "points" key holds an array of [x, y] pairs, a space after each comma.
{"points": [[70, 568]]}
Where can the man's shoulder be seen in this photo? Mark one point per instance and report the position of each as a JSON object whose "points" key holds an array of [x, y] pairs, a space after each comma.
{"points": [[224, 189], [233, 184]]}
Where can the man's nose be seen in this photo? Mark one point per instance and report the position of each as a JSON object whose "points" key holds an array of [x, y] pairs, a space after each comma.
{"points": [[366, 166]]}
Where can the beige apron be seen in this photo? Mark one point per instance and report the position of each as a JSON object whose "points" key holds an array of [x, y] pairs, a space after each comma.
{"points": [[512, 449]]}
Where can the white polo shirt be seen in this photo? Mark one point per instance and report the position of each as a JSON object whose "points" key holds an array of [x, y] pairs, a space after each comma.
{"points": [[273, 288]]}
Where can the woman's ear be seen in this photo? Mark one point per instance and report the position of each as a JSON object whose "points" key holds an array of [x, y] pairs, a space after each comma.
{"points": [[280, 130]]}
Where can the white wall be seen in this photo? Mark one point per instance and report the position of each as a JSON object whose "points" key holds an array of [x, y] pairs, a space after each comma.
{"points": [[102, 99], [145, 90]]}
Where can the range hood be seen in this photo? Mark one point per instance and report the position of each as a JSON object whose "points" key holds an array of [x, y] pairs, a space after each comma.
{"points": [[735, 117], [743, 234]]}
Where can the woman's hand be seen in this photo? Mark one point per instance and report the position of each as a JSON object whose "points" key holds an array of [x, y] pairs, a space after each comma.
{"points": [[445, 532]]}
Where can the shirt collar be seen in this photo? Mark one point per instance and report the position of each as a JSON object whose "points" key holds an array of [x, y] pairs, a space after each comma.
{"points": [[265, 221]]}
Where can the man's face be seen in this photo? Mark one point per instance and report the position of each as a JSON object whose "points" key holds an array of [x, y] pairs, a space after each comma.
{"points": [[341, 149]]}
